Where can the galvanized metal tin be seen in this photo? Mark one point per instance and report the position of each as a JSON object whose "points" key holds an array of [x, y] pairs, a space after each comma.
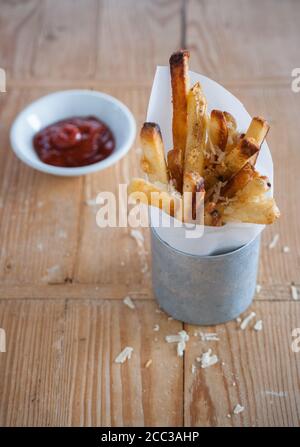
{"points": [[204, 290]]}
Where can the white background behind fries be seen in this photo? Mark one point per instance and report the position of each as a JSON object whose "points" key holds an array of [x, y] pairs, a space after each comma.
{"points": [[214, 239]]}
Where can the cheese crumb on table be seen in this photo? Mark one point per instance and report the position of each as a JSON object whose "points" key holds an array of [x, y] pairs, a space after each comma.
{"points": [[247, 320], [181, 338], [124, 355], [286, 249], [258, 325], [128, 302], [209, 336], [274, 241], [294, 292], [238, 409], [156, 327], [258, 288], [207, 359]]}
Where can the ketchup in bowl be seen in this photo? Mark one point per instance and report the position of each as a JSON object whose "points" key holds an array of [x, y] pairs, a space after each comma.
{"points": [[73, 142]]}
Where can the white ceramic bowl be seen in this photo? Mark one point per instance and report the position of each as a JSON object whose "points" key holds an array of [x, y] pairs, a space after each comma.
{"points": [[65, 104]]}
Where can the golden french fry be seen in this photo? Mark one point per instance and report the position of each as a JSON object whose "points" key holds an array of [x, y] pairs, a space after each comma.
{"points": [[255, 188], [262, 211], [149, 194], [239, 156], [175, 168], [258, 130], [193, 197], [238, 181], [230, 121], [233, 134], [180, 86], [153, 161], [217, 129], [196, 135]]}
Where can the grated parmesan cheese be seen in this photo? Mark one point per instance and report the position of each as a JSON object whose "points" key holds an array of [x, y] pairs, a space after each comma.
{"points": [[258, 325], [209, 336], [156, 327], [258, 288], [124, 355], [274, 241], [207, 359], [286, 249], [238, 409], [180, 348], [181, 338], [128, 302], [247, 320], [193, 368], [294, 292]]}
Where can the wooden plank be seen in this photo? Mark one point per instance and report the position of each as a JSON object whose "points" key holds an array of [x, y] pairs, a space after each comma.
{"points": [[59, 366], [258, 370], [29, 369], [141, 34], [89, 39], [78, 291], [239, 40]]}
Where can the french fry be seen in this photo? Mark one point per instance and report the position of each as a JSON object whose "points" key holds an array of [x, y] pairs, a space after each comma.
{"points": [[232, 131], [255, 188], [258, 130], [263, 211], [149, 194], [196, 135], [239, 156], [193, 197], [180, 87], [153, 161], [175, 168], [218, 130], [230, 121], [238, 181]]}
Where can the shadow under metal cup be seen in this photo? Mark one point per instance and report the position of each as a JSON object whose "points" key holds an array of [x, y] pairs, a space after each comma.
{"points": [[204, 290]]}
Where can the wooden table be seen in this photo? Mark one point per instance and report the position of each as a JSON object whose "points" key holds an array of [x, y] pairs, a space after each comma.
{"points": [[63, 279]]}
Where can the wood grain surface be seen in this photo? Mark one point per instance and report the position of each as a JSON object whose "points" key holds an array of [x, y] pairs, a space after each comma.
{"points": [[62, 279]]}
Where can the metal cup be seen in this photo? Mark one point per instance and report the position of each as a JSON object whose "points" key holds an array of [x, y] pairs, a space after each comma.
{"points": [[204, 290]]}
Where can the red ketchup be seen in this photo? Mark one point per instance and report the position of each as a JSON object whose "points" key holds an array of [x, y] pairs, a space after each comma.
{"points": [[72, 142]]}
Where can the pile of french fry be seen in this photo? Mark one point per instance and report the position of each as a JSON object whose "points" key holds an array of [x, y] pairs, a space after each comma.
{"points": [[209, 156]]}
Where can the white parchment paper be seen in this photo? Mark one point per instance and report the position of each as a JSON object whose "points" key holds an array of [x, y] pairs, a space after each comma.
{"points": [[214, 239]]}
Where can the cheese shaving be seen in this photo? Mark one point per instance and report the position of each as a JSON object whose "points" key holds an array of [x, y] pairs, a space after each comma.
{"points": [[209, 336], [238, 409], [124, 355], [156, 327], [207, 359], [181, 338], [286, 249], [128, 302], [274, 241], [258, 288], [247, 320], [294, 292], [258, 325]]}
